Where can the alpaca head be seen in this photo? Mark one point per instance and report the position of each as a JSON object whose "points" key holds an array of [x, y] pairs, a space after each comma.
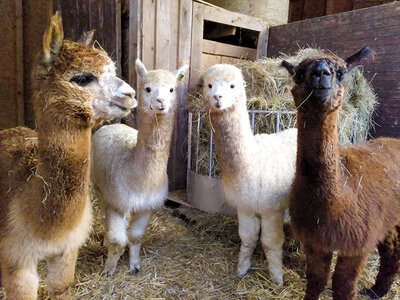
{"points": [[75, 78], [223, 87], [158, 89], [318, 80]]}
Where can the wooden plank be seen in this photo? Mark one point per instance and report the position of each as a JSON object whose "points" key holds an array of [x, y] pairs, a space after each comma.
{"points": [[174, 9], [195, 55], [220, 15], [208, 60], [162, 42], [148, 32], [177, 170], [118, 37], [338, 6], [217, 48], [36, 16], [313, 9], [134, 39], [262, 46], [19, 54]]}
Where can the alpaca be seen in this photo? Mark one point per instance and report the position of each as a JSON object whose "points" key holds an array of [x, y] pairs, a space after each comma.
{"points": [[45, 212], [129, 167], [257, 170], [342, 199]]}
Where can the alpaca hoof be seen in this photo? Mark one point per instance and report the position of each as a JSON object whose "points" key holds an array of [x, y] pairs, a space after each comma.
{"points": [[369, 293], [134, 270], [278, 280], [108, 272], [243, 268]]}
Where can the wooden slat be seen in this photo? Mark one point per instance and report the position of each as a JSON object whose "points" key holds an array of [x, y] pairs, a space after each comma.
{"points": [[223, 16], [162, 41], [208, 60], [148, 32], [177, 170], [262, 46], [197, 34], [217, 48], [19, 47], [135, 41]]}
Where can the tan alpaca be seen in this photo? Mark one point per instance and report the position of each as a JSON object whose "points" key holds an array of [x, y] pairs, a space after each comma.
{"points": [[45, 211], [129, 167]]}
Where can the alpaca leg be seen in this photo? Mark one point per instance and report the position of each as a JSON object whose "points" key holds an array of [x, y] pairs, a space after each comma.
{"points": [[249, 229], [136, 231], [60, 274], [116, 239], [345, 277], [272, 238], [19, 282], [317, 273], [389, 251]]}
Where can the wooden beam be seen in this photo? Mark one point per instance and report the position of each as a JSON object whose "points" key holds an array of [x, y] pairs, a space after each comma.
{"points": [[19, 62], [217, 48]]}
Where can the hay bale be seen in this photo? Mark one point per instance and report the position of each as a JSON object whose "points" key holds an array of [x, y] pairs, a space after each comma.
{"points": [[269, 88]]}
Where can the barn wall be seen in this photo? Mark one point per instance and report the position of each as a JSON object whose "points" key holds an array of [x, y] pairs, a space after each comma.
{"points": [[104, 16], [344, 34], [307, 9], [10, 73]]}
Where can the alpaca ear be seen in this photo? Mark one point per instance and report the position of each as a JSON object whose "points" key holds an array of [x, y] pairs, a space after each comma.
{"points": [[86, 37], [53, 38], [365, 54], [290, 67], [180, 73], [140, 68]]}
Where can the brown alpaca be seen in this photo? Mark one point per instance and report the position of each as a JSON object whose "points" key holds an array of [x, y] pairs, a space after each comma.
{"points": [[342, 199], [45, 212]]}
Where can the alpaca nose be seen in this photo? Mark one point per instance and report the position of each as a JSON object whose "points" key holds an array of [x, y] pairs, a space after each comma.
{"points": [[161, 102], [321, 75], [217, 97]]}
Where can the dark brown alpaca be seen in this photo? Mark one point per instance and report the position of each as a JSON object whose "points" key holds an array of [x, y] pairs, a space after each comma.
{"points": [[342, 199]]}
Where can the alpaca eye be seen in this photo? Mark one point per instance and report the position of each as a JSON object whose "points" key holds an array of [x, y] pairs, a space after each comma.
{"points": [[232, 86], [210, 86], [339, 74], [83, 79], [148, 89], [171, 90]]}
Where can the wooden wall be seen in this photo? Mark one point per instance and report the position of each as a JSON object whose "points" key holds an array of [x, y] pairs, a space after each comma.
{"points": [[344, 34], [307, 9], [22, 24], [104, 16]]}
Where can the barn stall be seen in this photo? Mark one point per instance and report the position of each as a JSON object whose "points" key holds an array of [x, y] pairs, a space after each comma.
{"points": [[188, 253]]}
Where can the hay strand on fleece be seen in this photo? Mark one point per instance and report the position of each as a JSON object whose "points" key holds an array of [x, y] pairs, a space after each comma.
{"points": [[269, 88]]}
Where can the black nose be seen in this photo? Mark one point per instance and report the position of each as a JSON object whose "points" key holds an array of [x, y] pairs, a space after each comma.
{"points": [[321, 75]]}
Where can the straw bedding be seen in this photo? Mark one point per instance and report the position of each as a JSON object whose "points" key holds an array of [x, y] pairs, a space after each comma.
{"points": [[194, 258], [269, 88]]}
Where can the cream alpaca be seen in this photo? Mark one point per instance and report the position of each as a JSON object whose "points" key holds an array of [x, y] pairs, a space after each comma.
{"points": [[129, 167], [257, 170], [45, 211]]}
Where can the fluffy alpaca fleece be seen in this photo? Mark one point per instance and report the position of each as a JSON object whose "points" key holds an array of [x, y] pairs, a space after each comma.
{"points": [[343, 199], [45, 211], [129, 167], [257, 170]]}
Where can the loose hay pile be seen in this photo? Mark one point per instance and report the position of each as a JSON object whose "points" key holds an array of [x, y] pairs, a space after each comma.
{"points": [[268, 88], [192, 259]]}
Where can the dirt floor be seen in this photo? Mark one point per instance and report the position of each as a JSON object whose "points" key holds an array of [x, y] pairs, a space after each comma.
{"points": [[188, 254]]}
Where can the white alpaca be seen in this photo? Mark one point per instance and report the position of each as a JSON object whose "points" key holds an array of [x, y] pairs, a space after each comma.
{"points": [[257, 170], [129, 167]]}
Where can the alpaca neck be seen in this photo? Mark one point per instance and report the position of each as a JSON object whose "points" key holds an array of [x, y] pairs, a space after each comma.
{"points": [[153, 143], [232, 135], [63, 171], [318, 157]]}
